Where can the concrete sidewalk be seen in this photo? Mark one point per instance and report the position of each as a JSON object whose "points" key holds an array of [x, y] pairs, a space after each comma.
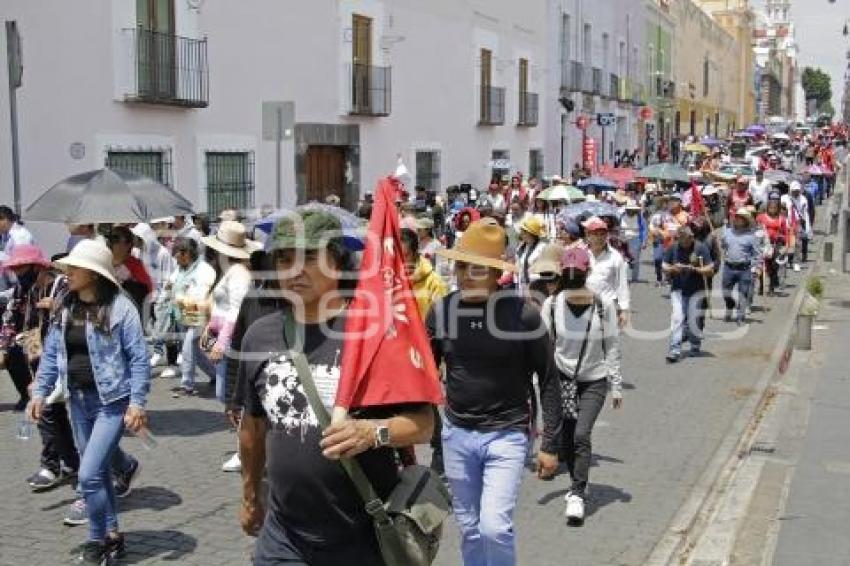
{"points": [[814, 522]]}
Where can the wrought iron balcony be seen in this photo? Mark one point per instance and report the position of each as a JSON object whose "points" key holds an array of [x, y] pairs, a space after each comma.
{"points": [[624, 91], [613, 86], [597, 81], [167, 69], [371, 90], [528, 109], [638, 94], [492, 106], [572, 73]]}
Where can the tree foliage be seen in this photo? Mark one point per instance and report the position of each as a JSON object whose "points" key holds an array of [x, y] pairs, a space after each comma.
{"points": [[818, 86]]}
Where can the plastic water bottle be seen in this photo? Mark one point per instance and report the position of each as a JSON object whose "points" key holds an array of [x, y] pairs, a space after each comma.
{"points": [[24, 428], [147, 438]]}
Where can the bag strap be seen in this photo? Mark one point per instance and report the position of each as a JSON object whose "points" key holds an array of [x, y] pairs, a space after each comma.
{"points": [[373, 504], [586, 332]]}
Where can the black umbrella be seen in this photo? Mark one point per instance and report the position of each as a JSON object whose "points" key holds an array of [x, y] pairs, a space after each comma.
{"points": [[107, 196]]}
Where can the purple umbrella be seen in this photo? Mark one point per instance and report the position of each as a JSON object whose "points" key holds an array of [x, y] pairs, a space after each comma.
{"points": [[756, 129]]}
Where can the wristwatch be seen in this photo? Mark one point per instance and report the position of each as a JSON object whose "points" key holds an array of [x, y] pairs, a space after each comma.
{"points": [[382, 435]]}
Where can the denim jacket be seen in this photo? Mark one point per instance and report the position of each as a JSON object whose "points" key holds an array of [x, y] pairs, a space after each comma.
{"points": [[119, 359]]}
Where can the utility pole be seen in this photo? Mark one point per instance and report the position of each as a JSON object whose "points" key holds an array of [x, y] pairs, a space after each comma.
{"points": [[16, 71]]}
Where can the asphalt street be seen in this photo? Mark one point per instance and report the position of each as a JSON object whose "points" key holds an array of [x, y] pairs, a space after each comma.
{"points": [[648, 456]]}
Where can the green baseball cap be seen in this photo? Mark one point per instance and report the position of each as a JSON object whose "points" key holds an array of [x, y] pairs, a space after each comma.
{"points": [[306, 230]]}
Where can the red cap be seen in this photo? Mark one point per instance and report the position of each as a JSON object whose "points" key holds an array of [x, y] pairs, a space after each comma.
{"points": [[575, 258]]}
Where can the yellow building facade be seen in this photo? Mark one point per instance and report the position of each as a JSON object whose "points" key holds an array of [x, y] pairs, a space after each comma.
{"points": [[738, 18], [708, 73]]}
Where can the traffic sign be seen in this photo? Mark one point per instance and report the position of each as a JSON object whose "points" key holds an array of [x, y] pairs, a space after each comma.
{"points": [[606, 119]]}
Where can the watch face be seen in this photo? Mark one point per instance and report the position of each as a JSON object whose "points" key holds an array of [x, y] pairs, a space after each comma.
{"points": [[383, 435]]}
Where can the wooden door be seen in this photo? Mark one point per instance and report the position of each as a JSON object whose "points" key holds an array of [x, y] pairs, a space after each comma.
{"points": [[523, 91], [361, 57], [325, 172], [486, 82], [156, 51]]}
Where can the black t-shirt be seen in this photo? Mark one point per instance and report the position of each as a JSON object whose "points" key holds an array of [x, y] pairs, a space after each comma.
{"points": [[491, 351], [688, 281], [309, 495], [80, 374]]}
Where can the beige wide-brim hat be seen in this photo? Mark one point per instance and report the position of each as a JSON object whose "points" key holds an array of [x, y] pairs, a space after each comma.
{"points": [[231, 240], [549, 260], [92, 255], [483, 243]]}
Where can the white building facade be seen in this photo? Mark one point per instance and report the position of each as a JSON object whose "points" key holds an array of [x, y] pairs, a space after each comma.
{"points": [[176, 89], [596, 50]]}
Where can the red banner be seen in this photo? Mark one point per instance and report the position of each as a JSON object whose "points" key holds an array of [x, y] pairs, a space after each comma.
{"points": [[588, 153]]}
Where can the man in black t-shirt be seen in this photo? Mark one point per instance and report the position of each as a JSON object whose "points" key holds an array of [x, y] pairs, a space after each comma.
{"points": [[688, 265], [315, 514], [492, 343]]}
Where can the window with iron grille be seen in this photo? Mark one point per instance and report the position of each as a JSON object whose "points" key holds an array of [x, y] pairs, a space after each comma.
{"points": [[230, 181], [500, 163], [428, 170], [535, 163], [155, 165]]}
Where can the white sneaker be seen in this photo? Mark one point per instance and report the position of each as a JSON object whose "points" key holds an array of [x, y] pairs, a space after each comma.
{"points": [[157, 359], [797, 267], [575, 508], [179, 359], [233, 464], [168, 373]]}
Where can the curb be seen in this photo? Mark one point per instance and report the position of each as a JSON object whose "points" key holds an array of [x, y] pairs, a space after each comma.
{"points": [[693, 516]]}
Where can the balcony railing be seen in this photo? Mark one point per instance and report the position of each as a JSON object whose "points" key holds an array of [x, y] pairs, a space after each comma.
{"points": [[371, 90], [624, 91], [597, 81], [528, 109], [613, 86], [167, 69], [638, 94], [572, 73], [492, 106]]}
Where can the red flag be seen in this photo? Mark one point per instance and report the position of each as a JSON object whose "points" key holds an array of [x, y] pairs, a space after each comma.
{"points": [[697, 202], [387, 355]]}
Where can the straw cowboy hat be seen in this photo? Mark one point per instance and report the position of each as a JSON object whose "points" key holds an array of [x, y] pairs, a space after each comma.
{"points": [[92, 255], [231, 240], [533, 226], [745, 214], [483, 243], [26, 254], [549, 260]]}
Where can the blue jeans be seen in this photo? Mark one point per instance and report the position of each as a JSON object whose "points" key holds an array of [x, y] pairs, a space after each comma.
{"points": [[635, 249], [743, 278], [194, 357], [688, 319], [484, 470], [97, 431]]}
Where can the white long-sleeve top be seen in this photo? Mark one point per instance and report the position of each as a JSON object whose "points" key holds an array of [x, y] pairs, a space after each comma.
{"points": [[609, 277], [227, 298], [602, 354]]}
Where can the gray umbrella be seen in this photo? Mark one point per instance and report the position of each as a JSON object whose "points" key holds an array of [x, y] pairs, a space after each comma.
{"points": [[107, 196], [669, 172]]}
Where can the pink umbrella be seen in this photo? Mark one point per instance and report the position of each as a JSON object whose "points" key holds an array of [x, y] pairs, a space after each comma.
{"points": [[620, 175]]}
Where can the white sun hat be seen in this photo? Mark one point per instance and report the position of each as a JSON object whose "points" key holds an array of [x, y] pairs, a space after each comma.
{"points": [[92, 255], [231, 240]]}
